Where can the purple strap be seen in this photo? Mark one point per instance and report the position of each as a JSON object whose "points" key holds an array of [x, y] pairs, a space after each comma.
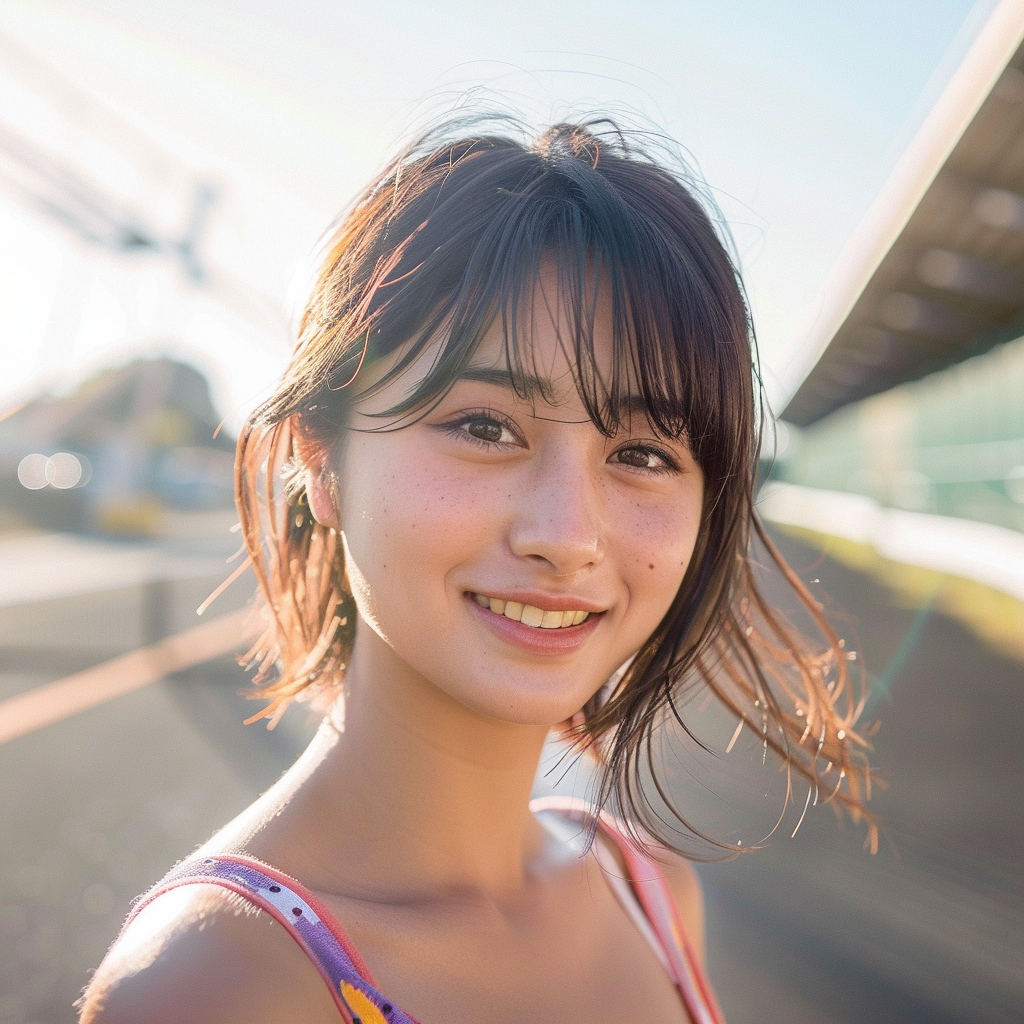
{"points": [[307, 921], [351, 984]]}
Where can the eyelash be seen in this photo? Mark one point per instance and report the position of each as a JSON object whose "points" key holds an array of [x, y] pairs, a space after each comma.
{"points": [[454, 428]]}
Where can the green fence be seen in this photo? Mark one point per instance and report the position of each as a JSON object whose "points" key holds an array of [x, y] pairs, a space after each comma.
{"points": [[951, 443]]}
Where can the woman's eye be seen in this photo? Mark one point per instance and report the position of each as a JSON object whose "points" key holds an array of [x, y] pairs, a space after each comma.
{"points": [[491, 431], [485, 430], [643, 458]]}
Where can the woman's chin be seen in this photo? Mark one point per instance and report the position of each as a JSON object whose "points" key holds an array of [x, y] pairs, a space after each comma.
{"points": [[518, 704]]}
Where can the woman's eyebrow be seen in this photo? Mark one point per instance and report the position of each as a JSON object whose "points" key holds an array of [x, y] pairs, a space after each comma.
{"points": [[526, 385]]}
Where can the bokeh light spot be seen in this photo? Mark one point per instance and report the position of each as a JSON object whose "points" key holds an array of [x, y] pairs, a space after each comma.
{"points": [[32, 471], [63, 471]]}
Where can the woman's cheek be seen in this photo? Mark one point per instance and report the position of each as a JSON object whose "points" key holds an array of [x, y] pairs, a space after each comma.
{"points": [[415, 518], [661, 542], [442, 508]]}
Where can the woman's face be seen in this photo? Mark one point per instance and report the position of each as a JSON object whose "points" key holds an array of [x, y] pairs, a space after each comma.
{"points": [[474, 535]]}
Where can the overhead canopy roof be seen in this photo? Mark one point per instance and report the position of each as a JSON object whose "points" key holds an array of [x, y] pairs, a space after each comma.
{"points": [[949, 282]]}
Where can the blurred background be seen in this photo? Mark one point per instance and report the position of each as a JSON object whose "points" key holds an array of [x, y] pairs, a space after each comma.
{"points": [[166, 171]]}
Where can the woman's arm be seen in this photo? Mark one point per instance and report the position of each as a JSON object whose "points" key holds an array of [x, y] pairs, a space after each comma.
{"points": [[203, 955]]}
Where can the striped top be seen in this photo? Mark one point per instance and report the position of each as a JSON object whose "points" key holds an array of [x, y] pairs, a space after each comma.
{"points": [[645, 896]]}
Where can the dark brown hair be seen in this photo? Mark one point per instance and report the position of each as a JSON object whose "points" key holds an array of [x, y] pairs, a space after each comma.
{"points": [[450, 237]]}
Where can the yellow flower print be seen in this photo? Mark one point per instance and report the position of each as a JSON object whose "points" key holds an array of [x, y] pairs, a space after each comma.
{"points": [[361, 1006]]}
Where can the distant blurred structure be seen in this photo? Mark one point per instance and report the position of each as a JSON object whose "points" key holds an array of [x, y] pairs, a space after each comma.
{"points": [[74, 161], [143, 438], [133, 259], [951, 443], [951, 283], [901, 451]]}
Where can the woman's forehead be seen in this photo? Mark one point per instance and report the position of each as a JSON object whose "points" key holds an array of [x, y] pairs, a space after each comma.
{"points": [[541, 356], [537, 371], [534, 346]]}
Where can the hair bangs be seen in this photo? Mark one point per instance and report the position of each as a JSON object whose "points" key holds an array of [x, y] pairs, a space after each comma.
{"points": [[564, 241]]}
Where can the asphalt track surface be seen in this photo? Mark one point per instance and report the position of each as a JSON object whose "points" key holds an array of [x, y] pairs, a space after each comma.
{"points": [[95, 808]]}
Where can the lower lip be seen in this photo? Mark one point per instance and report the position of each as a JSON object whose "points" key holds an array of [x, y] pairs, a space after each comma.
{"points": [[536, 639]]}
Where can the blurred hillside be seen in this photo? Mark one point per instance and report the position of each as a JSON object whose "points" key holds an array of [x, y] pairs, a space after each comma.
{"points": [[133, 451]]}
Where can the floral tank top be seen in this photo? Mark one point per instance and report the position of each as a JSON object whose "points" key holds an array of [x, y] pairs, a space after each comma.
{"points": [[350, 981]]}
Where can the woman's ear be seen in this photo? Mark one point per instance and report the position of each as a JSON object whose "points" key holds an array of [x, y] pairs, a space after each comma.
{"points": [[322, 497], [320, 482]]}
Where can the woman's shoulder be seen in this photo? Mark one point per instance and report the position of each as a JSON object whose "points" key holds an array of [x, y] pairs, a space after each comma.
{"points": [[688, 895], [683, 883], [201, 953]]}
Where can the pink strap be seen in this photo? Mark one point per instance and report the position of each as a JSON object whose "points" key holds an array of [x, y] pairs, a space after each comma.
{"points": [[655, 896]]}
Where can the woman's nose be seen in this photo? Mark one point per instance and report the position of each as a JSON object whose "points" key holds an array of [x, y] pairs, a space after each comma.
{"points": [[558, 516]]}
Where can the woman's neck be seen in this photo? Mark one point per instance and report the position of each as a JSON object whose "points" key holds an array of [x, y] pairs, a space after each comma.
{"points": [[413, 796]]}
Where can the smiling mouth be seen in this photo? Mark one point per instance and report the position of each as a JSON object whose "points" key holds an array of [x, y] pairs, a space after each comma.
{"points": [[530, 615]]}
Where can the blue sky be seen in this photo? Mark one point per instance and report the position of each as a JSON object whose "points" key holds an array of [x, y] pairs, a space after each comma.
{"points": [[795, 112]]}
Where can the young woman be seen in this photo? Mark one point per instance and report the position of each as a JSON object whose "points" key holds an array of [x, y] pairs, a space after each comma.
{"points": [[504, 487]]}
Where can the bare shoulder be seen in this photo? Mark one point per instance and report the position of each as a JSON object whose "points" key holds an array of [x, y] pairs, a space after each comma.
{"points": [[201, 954], [689, 897]]}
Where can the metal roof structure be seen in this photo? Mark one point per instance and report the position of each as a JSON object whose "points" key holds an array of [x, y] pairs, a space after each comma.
{"points": [[936, 272]]}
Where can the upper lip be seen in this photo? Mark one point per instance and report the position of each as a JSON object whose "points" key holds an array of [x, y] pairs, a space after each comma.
{"points": [[545, 602]]}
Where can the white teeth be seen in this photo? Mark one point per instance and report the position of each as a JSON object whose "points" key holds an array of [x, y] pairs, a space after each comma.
{"points": [[530, 615]]}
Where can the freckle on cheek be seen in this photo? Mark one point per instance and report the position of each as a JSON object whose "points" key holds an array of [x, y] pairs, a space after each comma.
{"points": [[651, 565]]}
